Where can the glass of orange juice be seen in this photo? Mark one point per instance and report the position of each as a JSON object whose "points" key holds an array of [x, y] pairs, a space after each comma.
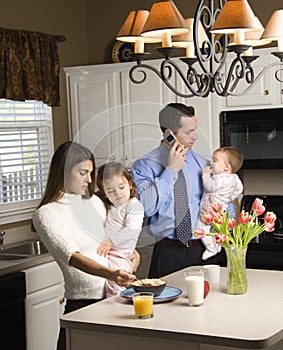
{"points": [[143, 302]]}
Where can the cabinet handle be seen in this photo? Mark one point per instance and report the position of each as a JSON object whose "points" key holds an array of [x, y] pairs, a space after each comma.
{"points": [[125, 157], [282, 91], [112, 158], [267, 92], [62, 300]]}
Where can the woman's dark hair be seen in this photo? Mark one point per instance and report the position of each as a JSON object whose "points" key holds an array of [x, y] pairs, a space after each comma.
{"points": [[106, 172], [170, 115], [67, 155]]}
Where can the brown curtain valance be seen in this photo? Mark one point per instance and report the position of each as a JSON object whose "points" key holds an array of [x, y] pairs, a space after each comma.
{"points": [[29, 66]]}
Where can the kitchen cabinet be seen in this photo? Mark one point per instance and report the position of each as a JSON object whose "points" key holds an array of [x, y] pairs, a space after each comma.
{"points": [[118, 119], [266, 92], [44, 305], [114, 117]]}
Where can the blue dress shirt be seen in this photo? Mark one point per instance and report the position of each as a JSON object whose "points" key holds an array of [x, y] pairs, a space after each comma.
{"points": [[155, 188]]}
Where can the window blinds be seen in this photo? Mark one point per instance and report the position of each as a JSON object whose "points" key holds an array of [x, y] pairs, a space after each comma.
{"points": [[25, 149]]}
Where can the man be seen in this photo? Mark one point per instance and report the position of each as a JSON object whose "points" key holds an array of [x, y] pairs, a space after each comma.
{"points": [[155, 175]]}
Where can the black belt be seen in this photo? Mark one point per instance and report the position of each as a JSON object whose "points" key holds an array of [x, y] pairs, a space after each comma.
{"points": [[191, 243]]}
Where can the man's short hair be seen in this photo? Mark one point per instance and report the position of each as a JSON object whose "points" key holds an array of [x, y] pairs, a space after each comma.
{"points": [[170, 115]]}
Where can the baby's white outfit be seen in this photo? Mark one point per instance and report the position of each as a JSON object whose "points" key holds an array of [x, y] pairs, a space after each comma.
{"points": [[222, 188]]}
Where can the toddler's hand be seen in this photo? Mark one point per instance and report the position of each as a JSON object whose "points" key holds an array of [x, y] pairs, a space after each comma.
{"points": [[104, 247]]}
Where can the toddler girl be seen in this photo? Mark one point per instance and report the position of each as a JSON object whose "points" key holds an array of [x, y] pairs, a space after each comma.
{"points": [[124, 219]]}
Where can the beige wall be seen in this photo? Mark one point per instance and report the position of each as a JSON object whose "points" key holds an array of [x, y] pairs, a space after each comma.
{"points": [[66, 17], [103, 24]]}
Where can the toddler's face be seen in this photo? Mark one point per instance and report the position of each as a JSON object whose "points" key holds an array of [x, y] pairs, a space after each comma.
{"points": [[117, 189]]}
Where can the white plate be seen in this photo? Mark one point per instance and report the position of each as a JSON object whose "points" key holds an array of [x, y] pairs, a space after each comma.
{"points": [[169, 293]]}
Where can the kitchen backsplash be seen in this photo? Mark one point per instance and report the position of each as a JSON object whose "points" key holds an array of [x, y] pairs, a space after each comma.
{"points": [[18, 233], [257, 182]]}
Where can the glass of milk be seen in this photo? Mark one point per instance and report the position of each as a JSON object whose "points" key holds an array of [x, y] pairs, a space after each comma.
{"points": [[212, 273], [194, 278]]}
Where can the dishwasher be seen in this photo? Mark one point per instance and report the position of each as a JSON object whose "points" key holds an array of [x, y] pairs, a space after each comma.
{"points": [[12, 312]]}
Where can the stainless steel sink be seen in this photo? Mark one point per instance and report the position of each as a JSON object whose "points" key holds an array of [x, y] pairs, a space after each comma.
{"points": [[23, 250]]}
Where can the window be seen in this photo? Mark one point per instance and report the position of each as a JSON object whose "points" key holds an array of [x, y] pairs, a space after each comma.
{"points": [[26, 147]]}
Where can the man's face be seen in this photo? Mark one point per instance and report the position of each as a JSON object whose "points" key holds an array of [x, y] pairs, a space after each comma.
{"points": [[187, 134]]}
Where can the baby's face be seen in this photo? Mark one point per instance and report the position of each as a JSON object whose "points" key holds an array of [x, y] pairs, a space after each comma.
{"points": [[219, 163]]}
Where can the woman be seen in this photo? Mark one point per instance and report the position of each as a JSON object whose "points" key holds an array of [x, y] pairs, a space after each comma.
{"points": [[70, 222]]}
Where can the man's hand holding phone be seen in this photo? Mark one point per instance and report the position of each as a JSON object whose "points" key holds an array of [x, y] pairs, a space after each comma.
{"points": [[170, 138], [177, 153]]}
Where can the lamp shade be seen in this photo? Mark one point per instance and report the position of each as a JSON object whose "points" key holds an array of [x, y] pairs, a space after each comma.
{"points": [[236, 15], [164, 17], [181, 40], [274, 27], [132, 27], [253, 37]]}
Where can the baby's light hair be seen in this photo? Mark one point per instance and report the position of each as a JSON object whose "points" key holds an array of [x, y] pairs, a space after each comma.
{"points": [[234, 157]]}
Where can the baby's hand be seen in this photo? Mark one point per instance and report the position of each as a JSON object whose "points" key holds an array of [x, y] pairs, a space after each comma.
{"points": [[206, 169], [104, 247]]}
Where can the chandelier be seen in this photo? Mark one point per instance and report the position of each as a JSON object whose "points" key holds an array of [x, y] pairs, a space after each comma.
{"points": [[207, 40]]}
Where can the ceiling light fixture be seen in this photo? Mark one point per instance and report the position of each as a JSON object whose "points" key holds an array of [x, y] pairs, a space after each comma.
{"points": [[205, 38]]}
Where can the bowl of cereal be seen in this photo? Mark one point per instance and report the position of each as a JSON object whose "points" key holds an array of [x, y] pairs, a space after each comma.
{"points": [[153, 285]]}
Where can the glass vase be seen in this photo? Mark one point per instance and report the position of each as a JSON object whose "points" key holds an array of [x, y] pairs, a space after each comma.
{"points": [[236, 267]]}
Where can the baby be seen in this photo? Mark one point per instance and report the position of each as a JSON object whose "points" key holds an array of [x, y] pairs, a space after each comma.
{"points": [[221, 184]]}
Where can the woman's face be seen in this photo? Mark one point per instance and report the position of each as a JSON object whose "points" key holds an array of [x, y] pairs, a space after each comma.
{"points": [[79, 178], [117, 190]]}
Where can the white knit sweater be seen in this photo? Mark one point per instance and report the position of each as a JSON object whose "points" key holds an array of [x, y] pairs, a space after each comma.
{"points": [[70, 225]]}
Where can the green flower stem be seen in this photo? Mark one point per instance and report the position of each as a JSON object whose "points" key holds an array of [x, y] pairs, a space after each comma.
{"points": [[236, 265]]}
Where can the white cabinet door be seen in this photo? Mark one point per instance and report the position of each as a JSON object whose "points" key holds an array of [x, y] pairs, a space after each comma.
{"points": [[43, 312], [44, 305], [95, 112], [141, 106], [265, 92], [114, 117]]}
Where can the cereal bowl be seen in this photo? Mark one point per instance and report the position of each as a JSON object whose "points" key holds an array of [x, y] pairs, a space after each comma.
{"points": [[153, 285]]}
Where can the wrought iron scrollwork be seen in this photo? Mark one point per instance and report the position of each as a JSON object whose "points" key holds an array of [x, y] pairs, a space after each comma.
{"points": [[206, 73]]}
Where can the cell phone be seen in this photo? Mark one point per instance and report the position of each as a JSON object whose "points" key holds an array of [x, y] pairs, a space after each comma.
{"points": [[170, 137]]}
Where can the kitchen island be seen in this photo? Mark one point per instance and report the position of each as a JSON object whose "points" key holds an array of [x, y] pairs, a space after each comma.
{"points": [[250, 321]]}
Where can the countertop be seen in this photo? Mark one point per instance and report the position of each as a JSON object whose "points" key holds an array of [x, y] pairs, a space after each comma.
{"points": [[7, 267], [253, 320]]}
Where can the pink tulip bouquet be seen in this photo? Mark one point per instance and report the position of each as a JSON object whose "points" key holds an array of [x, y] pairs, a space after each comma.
{"points": [[235, 236], [227, 232]]}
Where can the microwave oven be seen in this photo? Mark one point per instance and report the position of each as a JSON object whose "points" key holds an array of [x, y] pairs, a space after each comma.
{"points": [[257, 134]]}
